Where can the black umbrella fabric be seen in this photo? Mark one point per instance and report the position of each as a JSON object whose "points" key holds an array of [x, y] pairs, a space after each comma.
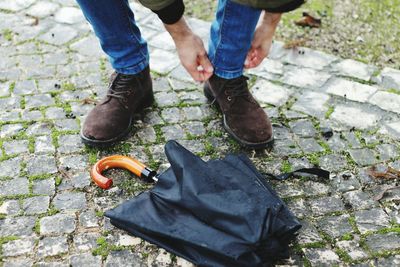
{"points": [[215, 213]]}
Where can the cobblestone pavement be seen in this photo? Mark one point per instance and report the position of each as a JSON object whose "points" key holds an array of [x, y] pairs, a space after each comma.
{"points": [[51, 73]]}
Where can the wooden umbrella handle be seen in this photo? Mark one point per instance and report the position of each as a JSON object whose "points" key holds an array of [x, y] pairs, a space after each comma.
{"points": [[122, 162]]}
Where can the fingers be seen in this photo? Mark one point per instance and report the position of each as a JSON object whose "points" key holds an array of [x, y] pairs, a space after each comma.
{"points": [[254, 58]]}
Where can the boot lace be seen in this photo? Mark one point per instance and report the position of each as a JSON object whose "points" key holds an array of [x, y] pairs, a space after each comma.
{"points": [[120, 88], [234, 89]]}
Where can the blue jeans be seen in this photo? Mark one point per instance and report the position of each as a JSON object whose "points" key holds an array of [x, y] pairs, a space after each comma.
{"points": [[114, 24]]}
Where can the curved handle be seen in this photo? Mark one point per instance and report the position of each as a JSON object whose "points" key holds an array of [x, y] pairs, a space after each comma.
{"points": [[118, 161]]}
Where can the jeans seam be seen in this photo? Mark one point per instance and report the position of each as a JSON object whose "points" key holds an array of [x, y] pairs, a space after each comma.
{"points": [[220, 32], [131, 29]]}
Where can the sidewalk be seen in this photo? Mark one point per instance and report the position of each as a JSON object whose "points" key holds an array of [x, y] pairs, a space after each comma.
{"points": [[51, 70]]}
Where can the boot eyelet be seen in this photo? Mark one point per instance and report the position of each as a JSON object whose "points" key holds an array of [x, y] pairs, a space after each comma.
{"points": [[229, 98]]}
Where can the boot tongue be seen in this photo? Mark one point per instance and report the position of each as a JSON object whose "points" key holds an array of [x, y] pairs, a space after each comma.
{"points": [[120, 88], [237, 88]]}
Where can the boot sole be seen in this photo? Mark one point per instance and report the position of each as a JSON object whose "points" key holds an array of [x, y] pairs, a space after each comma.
{"points": [[112, 141], [260, 145]]}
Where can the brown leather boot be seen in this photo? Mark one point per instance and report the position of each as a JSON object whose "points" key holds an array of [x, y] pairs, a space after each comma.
{"points": [[243, 117], [111, 120]]}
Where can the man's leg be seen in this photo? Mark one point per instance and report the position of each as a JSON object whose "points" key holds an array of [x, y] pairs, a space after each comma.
{"points": [[130, 88], [114, 25], [230, 41]]}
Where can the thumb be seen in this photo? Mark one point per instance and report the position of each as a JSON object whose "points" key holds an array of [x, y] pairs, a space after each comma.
{"points": [[205, 63]]}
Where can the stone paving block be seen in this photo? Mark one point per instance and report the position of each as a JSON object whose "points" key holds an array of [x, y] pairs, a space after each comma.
{"points": [[349, 90], [304, 78], [387, 151], [162, 41], [59, 34], [309, 58], [55, 113], [371, 220], [86, 259], [124, 258], [321, 257], [16, 147], [383, 242], [39, 128], [352, 139], [10, 103], [166, 99], [303, 128], [192, 97], [69, 15], [25, 87], [44, 187], [344, 182], [44, 145], [57, 224], [9, 116], [390, 78], [387, 101], [197, 113], [353, 249], [80, 180], [278, 50], [70, 201], [299, 208], [18, 226], [181, 74], [69, 144], [310, 145], [36, 205], [355, 117], [333, 162], [162, 61], [88, 219], [174, 131], [20, 262], [392, 129], [286, 190], [16, 186], [18, 247], [194, 128], [74, 162], [51, 246], [40, 100], [388, 262], [335, 226], [363, 157], [267, 92], [127, 240], [86, 241], [31, 115], [42, 9], [308, 234], [172, 115], [41, 164], [321, 206], [147, 134], [4, 89], [10, 130], [267, 67], [354, 69], [16, 5], [67, 125], [10, 207], [312, 103], [284, 148], [360, 200]]}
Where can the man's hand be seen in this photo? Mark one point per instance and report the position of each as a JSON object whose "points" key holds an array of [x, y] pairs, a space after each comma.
{"points": [[191, 51], [262, 40]]}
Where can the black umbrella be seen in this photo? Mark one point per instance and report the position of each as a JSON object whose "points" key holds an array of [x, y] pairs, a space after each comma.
{"points": [[215, 213]]}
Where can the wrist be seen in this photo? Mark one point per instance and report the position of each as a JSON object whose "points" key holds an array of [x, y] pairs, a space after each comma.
{"points": [[271, 19], [179, 30]]}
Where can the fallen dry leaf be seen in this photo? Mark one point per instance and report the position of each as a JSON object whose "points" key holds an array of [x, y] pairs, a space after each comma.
{"points": [[388, 174], [294, 43], [383, 192], [308, 21], [89, 101]]}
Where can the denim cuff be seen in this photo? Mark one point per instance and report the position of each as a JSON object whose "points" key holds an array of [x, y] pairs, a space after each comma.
{"points": [[134, 69], [228, 74], [172, 13]]}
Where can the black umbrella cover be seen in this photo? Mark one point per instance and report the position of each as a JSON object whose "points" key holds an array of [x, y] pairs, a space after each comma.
{"points": [[215, 213]]}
